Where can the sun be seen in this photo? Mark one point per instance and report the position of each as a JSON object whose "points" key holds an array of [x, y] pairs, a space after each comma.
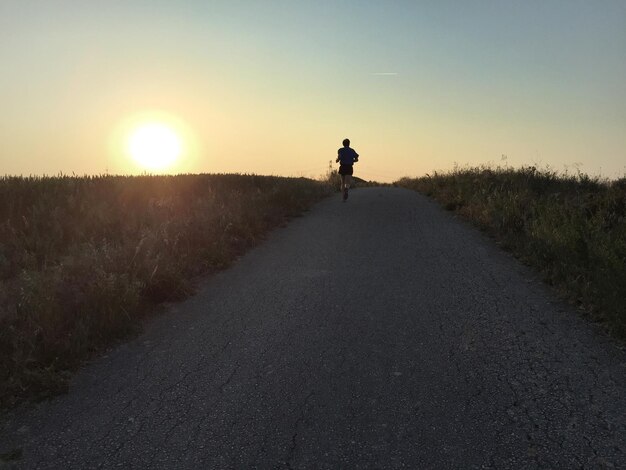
{"points": [[153, 141], [154, 145]]}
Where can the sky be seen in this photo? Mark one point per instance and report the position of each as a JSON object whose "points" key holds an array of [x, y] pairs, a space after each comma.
{"points": [[273, 87]]}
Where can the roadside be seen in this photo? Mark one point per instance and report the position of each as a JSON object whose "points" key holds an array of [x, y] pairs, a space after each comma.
{"points": [[82, 260]]}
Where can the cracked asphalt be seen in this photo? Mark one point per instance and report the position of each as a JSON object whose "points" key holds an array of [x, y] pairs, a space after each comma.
{"points": [[379, 333]]}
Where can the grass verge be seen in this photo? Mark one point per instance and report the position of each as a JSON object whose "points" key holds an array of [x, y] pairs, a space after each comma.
{"points": [[83, 259], [572, 228]]}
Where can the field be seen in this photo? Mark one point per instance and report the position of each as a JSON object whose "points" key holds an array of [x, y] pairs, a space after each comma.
{"points": [[82, 259], [572, 228]]}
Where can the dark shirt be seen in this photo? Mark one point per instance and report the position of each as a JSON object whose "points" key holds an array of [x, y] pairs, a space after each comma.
{"points": [[347, 156]]}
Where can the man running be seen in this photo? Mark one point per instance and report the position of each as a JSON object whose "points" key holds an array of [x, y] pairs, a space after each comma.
{"points": [[346, 157]]}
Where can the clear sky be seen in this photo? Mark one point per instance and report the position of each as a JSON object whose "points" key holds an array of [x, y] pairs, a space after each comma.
{"points": [[273, 87]]}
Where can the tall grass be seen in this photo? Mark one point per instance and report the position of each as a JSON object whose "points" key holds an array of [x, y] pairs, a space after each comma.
{"points": [[570, 227], [81, 259]]}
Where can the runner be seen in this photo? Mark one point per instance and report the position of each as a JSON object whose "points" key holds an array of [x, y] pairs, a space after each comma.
{"points": [[346, 157]]}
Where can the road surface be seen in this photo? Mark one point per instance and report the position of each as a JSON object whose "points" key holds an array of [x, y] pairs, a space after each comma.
{"points": [[377, 333]]}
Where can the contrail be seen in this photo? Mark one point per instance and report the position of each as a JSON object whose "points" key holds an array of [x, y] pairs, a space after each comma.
{"points": [[384, 73]]}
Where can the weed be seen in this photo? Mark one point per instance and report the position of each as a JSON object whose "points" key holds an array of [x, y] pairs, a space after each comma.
{"points": [[572, 228], [82, 259]]}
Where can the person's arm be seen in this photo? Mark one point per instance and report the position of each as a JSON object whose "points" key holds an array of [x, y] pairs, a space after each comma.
{"points": [[356, 157], [338, 152]]}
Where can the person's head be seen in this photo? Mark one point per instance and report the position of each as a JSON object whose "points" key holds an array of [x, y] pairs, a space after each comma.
{"points": [[346, 142]]}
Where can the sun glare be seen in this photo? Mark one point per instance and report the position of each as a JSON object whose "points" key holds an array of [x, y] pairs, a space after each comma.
{"points": [[154, 146], [152, 141]]}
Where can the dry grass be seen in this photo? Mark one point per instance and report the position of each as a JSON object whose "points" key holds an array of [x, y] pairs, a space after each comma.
{"points": [[572, 228], [82, 259]]}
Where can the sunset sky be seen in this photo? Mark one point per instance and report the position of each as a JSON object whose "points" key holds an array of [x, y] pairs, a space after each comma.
{"points": [[272, 87]]}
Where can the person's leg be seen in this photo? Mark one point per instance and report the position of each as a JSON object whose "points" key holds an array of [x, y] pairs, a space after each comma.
{"points": [[348, 181], [343, 183]]}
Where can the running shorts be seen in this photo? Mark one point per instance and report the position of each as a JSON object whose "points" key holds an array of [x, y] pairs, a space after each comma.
{"points": [[345, 169]]}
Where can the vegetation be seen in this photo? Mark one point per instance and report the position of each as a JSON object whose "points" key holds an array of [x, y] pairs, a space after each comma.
{"points": [[82, 259], [570, 227]]}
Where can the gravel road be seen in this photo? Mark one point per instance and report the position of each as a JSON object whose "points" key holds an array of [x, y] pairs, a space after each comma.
{"points": [[377, 333]]}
